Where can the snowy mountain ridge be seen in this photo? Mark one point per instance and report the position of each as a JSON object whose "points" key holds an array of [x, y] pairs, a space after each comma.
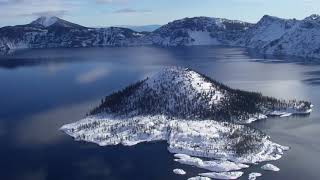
{"points": [[271, 35]]}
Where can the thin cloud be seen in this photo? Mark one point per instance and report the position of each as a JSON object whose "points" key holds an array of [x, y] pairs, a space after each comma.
{"points": [[58, 13], [130, 11], [111, 1], [17, 8], [92, 75]]}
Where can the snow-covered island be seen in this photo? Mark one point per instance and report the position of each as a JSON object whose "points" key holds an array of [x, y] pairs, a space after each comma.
{"points": [[253, 176], [199, 178], [197, 116], [270, 167], [179, 171]]}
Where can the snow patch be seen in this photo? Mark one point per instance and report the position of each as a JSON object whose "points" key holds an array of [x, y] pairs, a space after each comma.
{"points": [[47, 21], [223, 175], [213, 165], [179, 171], [199, 178], [202, 38], [270, 167], [253, 176], [255, 118]]}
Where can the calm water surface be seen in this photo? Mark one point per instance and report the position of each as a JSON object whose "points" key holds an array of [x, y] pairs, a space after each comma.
{"points": [[40, 90]]}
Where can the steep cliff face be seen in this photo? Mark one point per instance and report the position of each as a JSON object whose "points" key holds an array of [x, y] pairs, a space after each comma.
{"points": [[303, 39], [267, 30], [276, 36]]}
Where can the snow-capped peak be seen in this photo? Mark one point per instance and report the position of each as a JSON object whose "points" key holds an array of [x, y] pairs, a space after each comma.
{"points": [[46, 21], [267, 19], [184, 78]]}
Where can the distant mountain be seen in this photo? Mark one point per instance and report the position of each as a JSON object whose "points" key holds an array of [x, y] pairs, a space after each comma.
{"points": [[271, 35], [199, 31], [145, 28], [52, 32], [186, 94]]}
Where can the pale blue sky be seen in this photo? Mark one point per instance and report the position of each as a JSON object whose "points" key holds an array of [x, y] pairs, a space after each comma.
{"points": [[143, 12]]}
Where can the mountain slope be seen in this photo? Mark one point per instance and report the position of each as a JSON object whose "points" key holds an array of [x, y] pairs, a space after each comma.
{"points": [[186, 94], [198, 31], [267, 30]]}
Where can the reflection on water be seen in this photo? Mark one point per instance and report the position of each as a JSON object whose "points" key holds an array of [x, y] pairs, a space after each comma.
{"points": [[92, 75], [313, 77], [41, 128], [44, 89]]}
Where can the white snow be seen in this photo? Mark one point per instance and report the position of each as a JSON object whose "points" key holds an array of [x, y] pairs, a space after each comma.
{"points": [[47, 21], [255, 118], [286, 115], [202, 38], [253, 176], [213, 165], [223, 175], [270, 167], [199, 178], [179, 171], [208, 139], [197, 138], [290, 111]]}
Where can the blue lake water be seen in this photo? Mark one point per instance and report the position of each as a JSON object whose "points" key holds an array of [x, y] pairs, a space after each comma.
{"points": [[40, 90]]}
